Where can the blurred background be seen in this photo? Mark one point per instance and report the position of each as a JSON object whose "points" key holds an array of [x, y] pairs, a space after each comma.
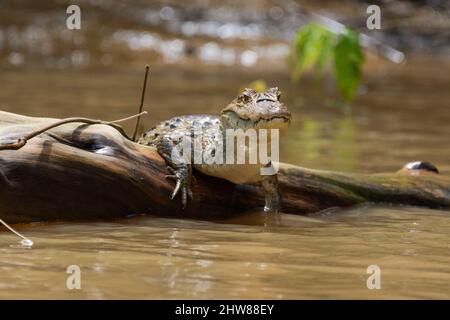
{"points": [[201, 53]]}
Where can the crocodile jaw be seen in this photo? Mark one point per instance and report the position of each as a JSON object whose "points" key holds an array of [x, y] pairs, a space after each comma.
{"points": [[231, 120]]}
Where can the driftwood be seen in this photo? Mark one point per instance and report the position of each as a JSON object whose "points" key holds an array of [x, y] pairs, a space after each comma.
{"points": [[92, 171]]}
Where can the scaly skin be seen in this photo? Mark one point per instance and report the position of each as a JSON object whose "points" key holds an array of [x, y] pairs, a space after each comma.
{"points": [[250, 110]]}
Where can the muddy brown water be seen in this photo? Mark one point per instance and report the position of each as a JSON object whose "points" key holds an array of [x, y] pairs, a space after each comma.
{"points": [[324, 255]]}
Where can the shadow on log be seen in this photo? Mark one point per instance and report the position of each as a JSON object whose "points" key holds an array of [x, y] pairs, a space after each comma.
{"points": [[92, 171]]}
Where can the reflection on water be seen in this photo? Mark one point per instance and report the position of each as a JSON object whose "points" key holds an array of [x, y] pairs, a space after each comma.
{"points": [[344, 153], [341, 150], [321, 256], [229, 34], [324, 256]]}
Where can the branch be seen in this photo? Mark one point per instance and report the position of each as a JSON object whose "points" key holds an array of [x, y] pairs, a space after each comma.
{"points": [[20, 142], [100, 174]]}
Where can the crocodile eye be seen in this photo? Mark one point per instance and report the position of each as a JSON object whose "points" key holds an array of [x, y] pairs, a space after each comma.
{"points": [[245, 98], [276, 92], [247, 95]]}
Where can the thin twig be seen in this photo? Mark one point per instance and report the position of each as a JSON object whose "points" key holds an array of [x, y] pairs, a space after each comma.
{"points": [[12, 230], [142, 102], [141, 113], [25, 241], [20, 142]]}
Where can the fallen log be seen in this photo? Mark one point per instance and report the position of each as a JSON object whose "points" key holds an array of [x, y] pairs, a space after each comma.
{"points": [[80, 171]]}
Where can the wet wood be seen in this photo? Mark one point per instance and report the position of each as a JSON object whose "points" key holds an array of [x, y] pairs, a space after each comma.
{"points": [[92, 171]]}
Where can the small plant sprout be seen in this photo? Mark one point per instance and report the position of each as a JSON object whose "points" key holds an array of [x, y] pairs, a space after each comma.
{"points": [[315, 47]]}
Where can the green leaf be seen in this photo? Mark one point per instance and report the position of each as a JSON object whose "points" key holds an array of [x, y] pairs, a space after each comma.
{"points": [[312, 46], [326, 51], [348, 60]]}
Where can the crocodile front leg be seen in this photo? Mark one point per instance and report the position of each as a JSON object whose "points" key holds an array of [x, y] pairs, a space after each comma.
{"points": [[181, 170], [270, 186]]}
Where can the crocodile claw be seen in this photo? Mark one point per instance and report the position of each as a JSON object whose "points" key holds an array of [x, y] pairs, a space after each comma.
{"points": [[270, 186], [182, 184], [272, 202]]}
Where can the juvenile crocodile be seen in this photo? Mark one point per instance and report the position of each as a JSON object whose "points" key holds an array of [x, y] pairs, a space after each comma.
{"points": [[250, 110]]}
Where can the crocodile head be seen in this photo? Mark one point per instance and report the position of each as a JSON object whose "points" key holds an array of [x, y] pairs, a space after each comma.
{"points": [[256, 110]]}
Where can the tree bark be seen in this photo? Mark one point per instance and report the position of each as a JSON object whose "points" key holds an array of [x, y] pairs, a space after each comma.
{"points": [[92, 171]]}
